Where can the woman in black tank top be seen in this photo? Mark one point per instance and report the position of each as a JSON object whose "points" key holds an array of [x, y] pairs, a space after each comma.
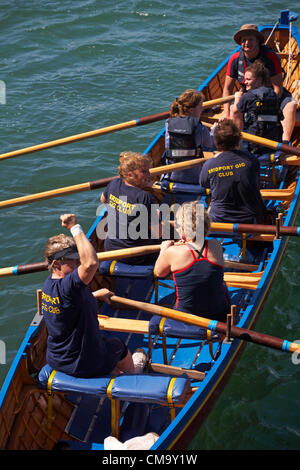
{"points": [[196, 264]]}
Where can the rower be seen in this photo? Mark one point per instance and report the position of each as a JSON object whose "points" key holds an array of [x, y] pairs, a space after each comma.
{"points": [[197, 265], [75, 346], [133, 217], [257, 111], [185, 136], [252, 49], [233, 178]]}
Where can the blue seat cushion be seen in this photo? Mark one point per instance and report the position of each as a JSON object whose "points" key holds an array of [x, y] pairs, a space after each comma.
{"points": [[67, 383], [126, 270], [177, 329], [144, 388], [149, 388], [182, 188]]}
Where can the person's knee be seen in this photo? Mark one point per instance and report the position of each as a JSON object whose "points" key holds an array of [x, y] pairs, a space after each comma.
{"points": [[126, 364]]}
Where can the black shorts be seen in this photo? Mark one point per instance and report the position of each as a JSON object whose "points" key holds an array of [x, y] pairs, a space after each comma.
{"points": [[116, 351]]}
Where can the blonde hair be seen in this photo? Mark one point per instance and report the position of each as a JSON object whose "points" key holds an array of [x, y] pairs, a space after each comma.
{"points": [[131, 161], [55, 244], [187, 218], [185, 102], [126, 154]]}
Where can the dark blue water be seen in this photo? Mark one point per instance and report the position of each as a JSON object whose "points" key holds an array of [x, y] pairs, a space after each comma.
{"points": [[70, 67]]}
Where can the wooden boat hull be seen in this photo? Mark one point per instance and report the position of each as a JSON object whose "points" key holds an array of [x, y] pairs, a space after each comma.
{"points": [[24, 404]]}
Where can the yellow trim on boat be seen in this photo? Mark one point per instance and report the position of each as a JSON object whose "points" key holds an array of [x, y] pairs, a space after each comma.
{"points": [[114, 410], [109, 388], [161, 326], [49, 392], [112, 267], [170, 397]]}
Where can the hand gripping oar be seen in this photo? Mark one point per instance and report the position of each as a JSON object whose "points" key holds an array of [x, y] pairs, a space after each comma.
{"points": [[213, 325], [272, 144], [105, 130]]}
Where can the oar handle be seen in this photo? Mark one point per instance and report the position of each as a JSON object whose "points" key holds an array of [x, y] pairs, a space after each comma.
{"points": [[213, 325], [272, 144], [166, 114], [152, 118], [253, 228], [288, 149]]}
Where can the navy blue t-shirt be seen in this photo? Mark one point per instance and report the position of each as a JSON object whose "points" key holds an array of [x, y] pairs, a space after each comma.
{"points": [[125, 221], [233, 178], [75, 345]]}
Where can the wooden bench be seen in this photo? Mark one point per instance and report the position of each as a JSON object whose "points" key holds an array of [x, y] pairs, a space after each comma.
{"points": [[124, 325]]}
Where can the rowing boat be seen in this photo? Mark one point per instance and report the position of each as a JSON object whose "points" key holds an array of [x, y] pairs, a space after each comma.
{"points": [[187, 369]]}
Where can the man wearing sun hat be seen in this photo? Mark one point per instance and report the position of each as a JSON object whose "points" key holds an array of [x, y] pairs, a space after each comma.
{"points": [[252, 49]]}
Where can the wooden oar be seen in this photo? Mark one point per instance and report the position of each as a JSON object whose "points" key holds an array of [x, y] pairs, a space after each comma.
{"points": [[76, 188], [103, 256], [275, 194], [104, 130], [252, 228], [108, 255], [272, 144], [213, 325], [101, 183]]}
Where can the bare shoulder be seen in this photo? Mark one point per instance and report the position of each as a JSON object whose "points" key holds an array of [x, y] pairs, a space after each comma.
{"points": [[181, 257]]}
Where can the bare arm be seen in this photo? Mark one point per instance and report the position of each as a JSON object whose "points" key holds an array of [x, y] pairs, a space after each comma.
{"points": [[227, 91], [163, 263], [235, 114], [277, 83], [103, 294], [88, 258]]}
